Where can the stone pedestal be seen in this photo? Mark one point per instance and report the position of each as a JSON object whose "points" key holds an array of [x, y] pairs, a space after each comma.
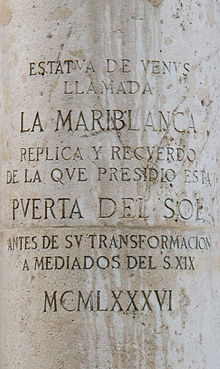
{"points": [[109, 244]]}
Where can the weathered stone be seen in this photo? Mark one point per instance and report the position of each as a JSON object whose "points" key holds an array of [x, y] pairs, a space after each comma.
{"points": [[109, 148]]}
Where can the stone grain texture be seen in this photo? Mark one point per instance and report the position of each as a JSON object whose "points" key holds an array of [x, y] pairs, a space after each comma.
{"points": [[109, 184]]}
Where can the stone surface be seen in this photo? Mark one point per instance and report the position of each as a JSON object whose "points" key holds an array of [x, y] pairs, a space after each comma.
{"points": [[109, 148]]}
